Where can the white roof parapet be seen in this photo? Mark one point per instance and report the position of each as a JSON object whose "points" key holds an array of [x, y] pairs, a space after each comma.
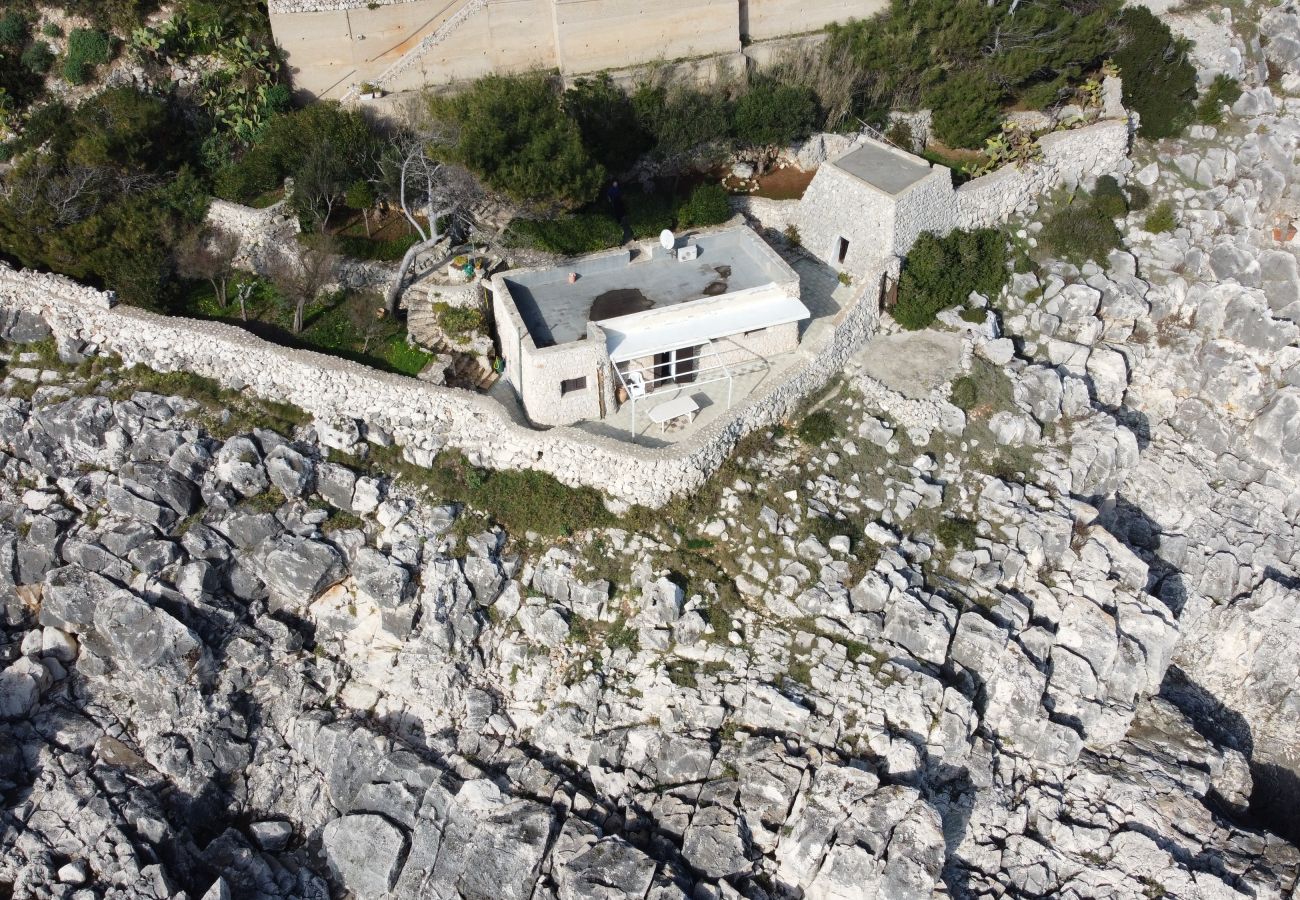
{"points": [[657, 330]]}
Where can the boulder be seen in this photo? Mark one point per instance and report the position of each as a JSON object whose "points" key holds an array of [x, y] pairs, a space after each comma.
{"points": [[364, 853], [300, 569]]}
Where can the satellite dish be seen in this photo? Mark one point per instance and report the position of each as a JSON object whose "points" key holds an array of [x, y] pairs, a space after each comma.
{"points": [[667, 240]]}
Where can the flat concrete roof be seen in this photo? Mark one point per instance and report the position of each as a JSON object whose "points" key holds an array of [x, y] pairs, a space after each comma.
{"points": [[883, 167], [648, 277]]}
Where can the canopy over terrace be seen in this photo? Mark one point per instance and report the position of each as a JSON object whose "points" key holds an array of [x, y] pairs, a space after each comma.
{"points": [[687, 337]]}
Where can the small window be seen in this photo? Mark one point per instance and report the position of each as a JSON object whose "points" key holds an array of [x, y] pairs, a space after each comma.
{"points": [[842, 250], [572, 385]]}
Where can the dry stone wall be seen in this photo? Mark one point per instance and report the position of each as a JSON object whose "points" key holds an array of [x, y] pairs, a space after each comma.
{"points": [[422, 418]]}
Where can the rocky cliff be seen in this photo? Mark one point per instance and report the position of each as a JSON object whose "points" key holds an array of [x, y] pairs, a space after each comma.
{"points": [[1042, 646]]}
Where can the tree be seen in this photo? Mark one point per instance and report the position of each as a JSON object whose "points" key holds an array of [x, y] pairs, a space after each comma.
{"points": [[1159, 79], [445, 191], [366, 315], [512, 132], [682, 120], [967, 109], [320, 181], [361, 196], [209, 253], [300, 279]]}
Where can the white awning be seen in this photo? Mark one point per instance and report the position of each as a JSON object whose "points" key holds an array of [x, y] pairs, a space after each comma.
{"points": [[690, 324]]}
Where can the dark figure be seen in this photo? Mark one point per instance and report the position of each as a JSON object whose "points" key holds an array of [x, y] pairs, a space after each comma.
{"points": [[614, 196]]}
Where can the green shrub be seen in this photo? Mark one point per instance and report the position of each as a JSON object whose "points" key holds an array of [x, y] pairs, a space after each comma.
{"points": [[38, 57], [817, 428], [974, 315], [1161, 219], [13, 29], [51, 30], [964, 393], [771, 113], [570, 235], [1223, 91], [942, 272], [708, 205], [956, 532], [1108, 199], [87, 48], [1139, 198], [1080, 231], [513, 132], [1159, 79], [967, 109], [682, 119], [607, 120], [458, 321]]}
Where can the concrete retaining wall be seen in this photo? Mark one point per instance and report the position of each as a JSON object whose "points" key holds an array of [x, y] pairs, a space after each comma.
{"points": [[424, 418]]}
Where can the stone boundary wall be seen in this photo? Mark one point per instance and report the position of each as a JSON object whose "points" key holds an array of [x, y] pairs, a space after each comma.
{"points": [[773, 215], [1069, 158], [303, 6], [424, 418]]}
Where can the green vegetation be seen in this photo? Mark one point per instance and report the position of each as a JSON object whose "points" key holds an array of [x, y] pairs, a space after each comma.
{"points": [[345, 324], [1161, 219], [1108, 198], [817, 428], [965, 59], [607, 120], [512, 132], [707, 205], [964, 393], [956, 532], [102, 193], [13, 30], [772, 113], [37, 57], [20, 69], [1159, 79], [87, 48], [520, 501], [1223, 91], [1082, 228], [460, 321], [942, 272]]}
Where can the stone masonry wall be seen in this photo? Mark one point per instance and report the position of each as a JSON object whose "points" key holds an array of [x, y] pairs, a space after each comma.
{"points": [[424, 418]]}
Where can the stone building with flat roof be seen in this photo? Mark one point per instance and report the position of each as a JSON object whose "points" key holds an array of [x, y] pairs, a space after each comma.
{"points": [[581, 338]]}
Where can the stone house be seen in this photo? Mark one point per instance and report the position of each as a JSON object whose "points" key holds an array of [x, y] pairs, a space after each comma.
{"points": [[580, 339]]}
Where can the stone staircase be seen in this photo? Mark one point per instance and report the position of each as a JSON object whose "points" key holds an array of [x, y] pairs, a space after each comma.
{"points": [[465, 370], [437, 34]]}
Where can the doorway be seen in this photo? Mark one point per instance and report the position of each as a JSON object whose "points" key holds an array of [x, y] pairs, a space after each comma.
{"points": [[680, 366]]}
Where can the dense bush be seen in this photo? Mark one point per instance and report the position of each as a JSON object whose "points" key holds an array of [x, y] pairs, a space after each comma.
{"points": [[1108, 198], [1159, 79], [13, 30], [1081, 230], [1139, 198], [682, 119], [608, 122], [37, 57], [942, 272], [87, 48], [956, 532], [966, 57], [964, 393], [325, 147], [513, 132], [817, 428], [1161, 219], [569, 235], [771, 113], [102, 193], [708, 205], [1223, 91]]}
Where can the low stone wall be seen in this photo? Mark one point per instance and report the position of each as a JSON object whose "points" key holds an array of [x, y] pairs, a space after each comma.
{"points": [[772, 215], [1069, 158], [424, 418]]}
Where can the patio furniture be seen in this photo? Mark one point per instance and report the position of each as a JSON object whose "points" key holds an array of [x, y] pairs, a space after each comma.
{"points": [[664, 413], [635, 385]]}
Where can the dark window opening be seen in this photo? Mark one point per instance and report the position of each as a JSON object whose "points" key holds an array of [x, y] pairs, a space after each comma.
{"points": [[842, 251], [572, 385]]}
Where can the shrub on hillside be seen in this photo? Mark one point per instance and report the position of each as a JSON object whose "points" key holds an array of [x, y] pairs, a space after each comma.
{"points": [[514, 134], [967, 109], [1161, 219], [608, 122], [1108, 198], [1223, 91], [940, 272], [708, 205], [682, 120], [38, 57], [772, 113], [1139, 198], [817, 428], [570, 235], [87, 48], [964, 394], [1081, 230], [1159, 79], [13, 29], [956, 532]]}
